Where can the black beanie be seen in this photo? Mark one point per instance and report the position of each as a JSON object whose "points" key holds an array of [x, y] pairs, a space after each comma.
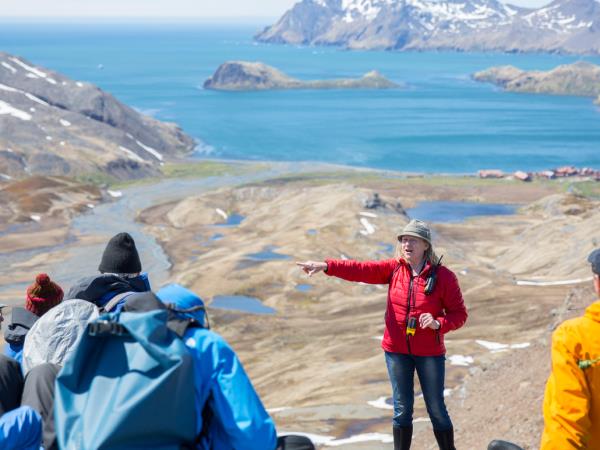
{"points": [[120, 256]]}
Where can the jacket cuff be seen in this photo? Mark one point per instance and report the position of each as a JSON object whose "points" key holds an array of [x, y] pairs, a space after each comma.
{"points": [[330, 265], [442, 321]]}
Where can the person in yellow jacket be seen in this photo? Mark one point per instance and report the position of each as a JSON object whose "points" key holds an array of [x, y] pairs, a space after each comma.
{"points": [[572, 398]]}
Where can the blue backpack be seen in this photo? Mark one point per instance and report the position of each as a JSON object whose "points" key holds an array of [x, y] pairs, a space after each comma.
{"points": [[129, 385]]}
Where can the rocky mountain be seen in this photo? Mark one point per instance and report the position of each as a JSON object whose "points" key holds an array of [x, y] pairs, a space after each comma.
{"points": [[581, 78], [569, 26], [255, 76], [52, 125]]}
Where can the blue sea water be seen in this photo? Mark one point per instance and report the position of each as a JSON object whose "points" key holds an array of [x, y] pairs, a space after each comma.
{"points": [[454, 212], [441, 121]]}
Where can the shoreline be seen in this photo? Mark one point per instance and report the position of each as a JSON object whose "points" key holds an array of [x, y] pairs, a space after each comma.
{"points": [[407, 174]]}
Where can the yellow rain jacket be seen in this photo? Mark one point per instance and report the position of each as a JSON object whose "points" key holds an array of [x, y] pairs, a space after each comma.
{"points": [[572, 399]]}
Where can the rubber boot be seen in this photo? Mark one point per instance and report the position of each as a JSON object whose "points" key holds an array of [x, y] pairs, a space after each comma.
{"points": [[445, 439], [402, 437], [502, 445]]}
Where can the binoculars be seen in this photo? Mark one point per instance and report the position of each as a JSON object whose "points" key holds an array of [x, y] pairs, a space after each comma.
{"points": [[430, 284], [411, 326]]}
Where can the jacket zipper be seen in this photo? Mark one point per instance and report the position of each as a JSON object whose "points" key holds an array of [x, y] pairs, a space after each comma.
{"points": [[410, 287]]}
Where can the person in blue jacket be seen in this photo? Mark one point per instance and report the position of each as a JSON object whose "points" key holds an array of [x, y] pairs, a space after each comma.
{"points": [[236, 417], [20, 426], [42, 295], [21, 429]]}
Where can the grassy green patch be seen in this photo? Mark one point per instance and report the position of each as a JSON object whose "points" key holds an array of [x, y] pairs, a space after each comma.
{"points": [[96, 179], [321, 178], [590, 189], [208, 169], [395, 179], [122, 184], [188, 169]]}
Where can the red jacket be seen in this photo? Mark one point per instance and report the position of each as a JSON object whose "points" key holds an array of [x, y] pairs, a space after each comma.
{"points": [[406, 299]]}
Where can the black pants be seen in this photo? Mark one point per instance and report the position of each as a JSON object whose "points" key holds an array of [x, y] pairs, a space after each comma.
{"points": [[36, 391]]}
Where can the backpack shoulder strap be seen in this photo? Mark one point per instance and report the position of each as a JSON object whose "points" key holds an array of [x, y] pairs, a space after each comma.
{"points": [[110, 305], [179, 324]]}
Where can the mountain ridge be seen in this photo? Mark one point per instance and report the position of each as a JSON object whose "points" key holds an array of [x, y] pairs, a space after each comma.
{"points": [[564, 26]]}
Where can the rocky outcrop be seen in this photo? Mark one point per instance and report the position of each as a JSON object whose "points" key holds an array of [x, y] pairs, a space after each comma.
{"points": [[470, 25], [581, 78], [52, 125], [256, 76], [52, 197]]}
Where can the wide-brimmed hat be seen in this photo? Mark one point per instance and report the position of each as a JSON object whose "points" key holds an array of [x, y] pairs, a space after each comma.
{"points": [[416, 228]]}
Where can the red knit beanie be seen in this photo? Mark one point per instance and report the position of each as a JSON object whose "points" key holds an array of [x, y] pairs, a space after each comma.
{"points": [[43, 295]]}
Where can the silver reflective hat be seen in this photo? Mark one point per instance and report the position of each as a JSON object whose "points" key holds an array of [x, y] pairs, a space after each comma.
{"points": [[2, 305], [417, 228]]}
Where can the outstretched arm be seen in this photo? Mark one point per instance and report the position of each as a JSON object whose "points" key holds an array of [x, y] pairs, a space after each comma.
{"points": [[373, 272]]}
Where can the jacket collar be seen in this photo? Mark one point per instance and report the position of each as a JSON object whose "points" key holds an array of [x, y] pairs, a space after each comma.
{"points": [[99, 289], [593, 311], [425, 270]]}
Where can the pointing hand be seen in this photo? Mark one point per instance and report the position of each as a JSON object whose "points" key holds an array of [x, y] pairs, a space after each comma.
{"points": [[312, 267]]}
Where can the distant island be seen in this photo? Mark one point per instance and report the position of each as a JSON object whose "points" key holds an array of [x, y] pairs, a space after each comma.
{"points": [[256, 76], [563, 26], [580, 78]]}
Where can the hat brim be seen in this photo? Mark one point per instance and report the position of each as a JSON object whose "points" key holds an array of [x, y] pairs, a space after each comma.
{"points": [[413, 234], [2, 305]]}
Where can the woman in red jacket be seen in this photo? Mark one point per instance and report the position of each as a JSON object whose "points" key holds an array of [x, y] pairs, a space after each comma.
{"points": [[424, 303]]}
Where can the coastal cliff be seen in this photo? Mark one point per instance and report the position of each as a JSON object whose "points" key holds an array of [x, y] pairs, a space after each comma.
{"points": [[256, 76], [53, 125]]}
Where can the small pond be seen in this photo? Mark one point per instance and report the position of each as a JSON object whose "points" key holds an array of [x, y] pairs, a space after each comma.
{"points": [[304, 287], [267, 254], [454, 212], [242, 303], [233, 220]]}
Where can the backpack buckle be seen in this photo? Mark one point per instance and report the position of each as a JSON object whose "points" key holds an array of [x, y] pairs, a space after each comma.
{"points": [[106, 327]]}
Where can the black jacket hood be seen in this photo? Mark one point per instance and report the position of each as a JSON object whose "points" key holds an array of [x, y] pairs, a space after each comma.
{"points": [[20, 322]]}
